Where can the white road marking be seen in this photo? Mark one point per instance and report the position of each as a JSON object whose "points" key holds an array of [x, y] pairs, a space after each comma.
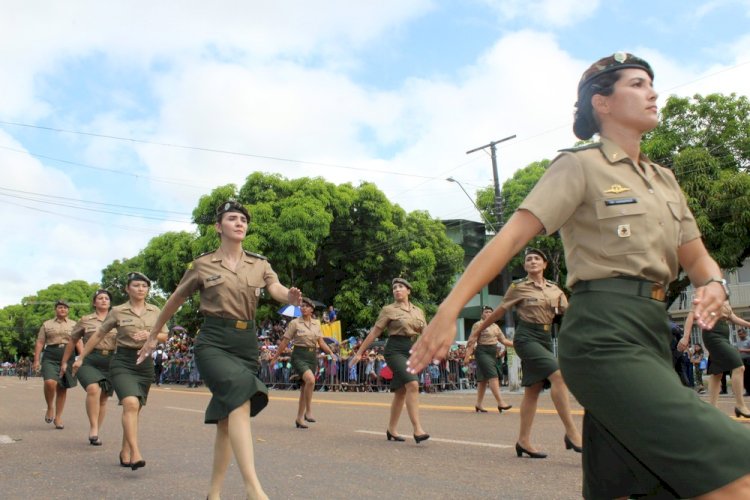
{"points": [[183, 409], [451, 441]]}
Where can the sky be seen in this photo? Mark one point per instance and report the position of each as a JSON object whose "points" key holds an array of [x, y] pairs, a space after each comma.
{"points": [[116, 117]]}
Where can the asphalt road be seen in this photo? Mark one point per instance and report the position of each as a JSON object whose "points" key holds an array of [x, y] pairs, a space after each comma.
{"points": [[344, 455]]}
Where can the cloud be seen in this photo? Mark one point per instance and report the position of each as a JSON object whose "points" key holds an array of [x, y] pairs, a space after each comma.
{"points": [[549, 13]]}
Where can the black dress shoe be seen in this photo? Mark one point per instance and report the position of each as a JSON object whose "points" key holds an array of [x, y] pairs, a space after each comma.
{"points": [[137, 465], [123, 463], [479, 410], [569, 444], [739, 413], [47, 419], [311, 420], [95, 441], [506, 407], [421, 437], [520, 450], [299, 425], [392, 437]]}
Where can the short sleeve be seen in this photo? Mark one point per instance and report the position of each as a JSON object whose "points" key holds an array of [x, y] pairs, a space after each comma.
{"points": [[109, 322], [77, 332], [383, 319], [558, 193], [42, 335], [269, 276], [291, 330], [511, 298], [190, 281]]}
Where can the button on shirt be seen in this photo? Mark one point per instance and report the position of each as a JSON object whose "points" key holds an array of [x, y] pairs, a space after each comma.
{"points": [[615, 218], [488, 336], [128, 323], [304, 334], [535, 304], [87, 326], [225, 293], [54, 331], [401, 320]]}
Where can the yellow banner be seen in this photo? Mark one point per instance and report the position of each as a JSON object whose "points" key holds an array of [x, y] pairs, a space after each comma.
{"points": [[332, 330]]}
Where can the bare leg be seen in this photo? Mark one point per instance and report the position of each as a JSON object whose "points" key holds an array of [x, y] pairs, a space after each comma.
{"points": [[495, 389], [103, 398], [93, 404], [396, 406], [241, 440], [306, 395], [561, 399], [528, 411], [49, 397], [125, 449], [61, 394], [738, 388], [412, 406], [222, 456], [714, 383], [481, 388], [131, 409], [739, 488]]}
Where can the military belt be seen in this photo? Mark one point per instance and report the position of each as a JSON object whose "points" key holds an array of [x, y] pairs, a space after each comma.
{"points": [[641, 288], [540, 326], [238, 324], [300, 348], [60, 346], [104, 352]]}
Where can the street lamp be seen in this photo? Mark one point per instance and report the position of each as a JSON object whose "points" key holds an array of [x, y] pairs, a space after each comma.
{"points": [[481, 214]]}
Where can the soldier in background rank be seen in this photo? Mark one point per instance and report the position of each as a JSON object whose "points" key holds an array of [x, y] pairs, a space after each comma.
{"points": [[626, 229], [230, 281], [305, 334], [483, 344], [53, 336], [404, 322], [133, 320], [537, 301], [94, 373]]}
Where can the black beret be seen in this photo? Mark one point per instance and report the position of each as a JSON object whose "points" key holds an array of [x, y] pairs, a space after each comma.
{"points": [[535, 251], [308, 301], [231, 206], [61, 302], [618, 60], [136, 276]]}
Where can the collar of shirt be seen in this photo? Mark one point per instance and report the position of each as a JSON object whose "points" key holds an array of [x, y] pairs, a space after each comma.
{"points": [[615, 154]]}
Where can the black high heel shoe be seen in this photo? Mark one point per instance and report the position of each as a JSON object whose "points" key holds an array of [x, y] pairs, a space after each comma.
{"points": [[123, 463], [421, 437], [569, 444], [392, 437], [137, 465], [299, 425], [479, 410], [506, 407], [311, 420], [520, 450], [95, 441], [739, 413]]}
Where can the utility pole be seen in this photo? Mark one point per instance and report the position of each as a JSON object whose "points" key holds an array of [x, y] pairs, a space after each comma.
{"points": [[504, 275]]}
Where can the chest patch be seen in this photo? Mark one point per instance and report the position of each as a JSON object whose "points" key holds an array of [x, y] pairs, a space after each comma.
{"points": [[623, 230]]}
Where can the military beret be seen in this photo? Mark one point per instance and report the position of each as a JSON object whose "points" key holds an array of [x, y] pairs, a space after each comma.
{"points": [[486, 308], [100, 292], [61, 302], [618, 60], [536, 251], [308, 301], [402, 281], [136, 276], [231, 206]]}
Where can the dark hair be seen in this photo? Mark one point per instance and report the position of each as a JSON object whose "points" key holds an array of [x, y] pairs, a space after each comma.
{"points": [[100, 292], [585, 124]]}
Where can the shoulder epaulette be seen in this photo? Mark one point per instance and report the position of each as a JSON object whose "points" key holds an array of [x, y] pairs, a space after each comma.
{"points": [[253, 254], [582, 147], [205, 253]]}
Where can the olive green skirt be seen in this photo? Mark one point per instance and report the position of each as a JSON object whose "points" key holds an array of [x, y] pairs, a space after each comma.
{"points": [[128, 378], [722, 355], [227, 359], [304, 359], [534, 346], [95, 370], [487, 367], [615, 357], [396, 353], [51, 367]]}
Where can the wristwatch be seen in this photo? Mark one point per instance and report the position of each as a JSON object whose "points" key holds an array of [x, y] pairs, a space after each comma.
{"points": [[722, 282]]}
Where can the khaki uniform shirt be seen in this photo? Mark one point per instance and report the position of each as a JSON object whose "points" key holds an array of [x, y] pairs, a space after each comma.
{"points": [[87, 326], [488, 336], [302, 334], [225, 293], [128, 323], [400, 321], [614, 218], [54, 332], [535, 304]]}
